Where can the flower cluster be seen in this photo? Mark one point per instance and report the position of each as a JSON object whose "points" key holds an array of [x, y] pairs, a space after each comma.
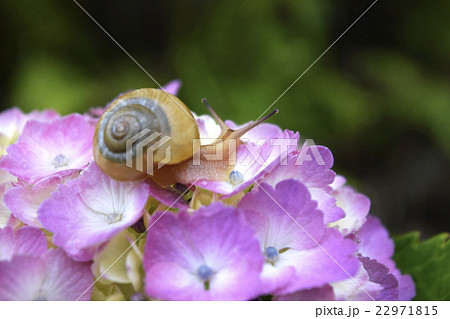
{"points": [[283, 226]]}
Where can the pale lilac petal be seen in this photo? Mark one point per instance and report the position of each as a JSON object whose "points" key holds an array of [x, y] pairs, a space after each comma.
{"points": [[13, 120], [6, 182], [310, 255], [333, 260], [406, 286], [208, 128], [264, 131], [86, 212], [53, 276], [375, 242], [66, 279], [45, 149], [6, 178], [356, 207], [338, 182], [327, 204], [311, 166], [11, 124], [215, 236], [253, 161], [45, 116], [26, 241], [172, 87], [284, 209], [21, 278], [324, 293], [358, 288], [95, 113], [24, 199], [379, 273]]}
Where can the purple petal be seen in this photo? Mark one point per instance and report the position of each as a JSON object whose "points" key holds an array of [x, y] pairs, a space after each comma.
{"points": [[66, 279], [311, 166], [178, 245], [310, 255], [45, 116], [95, 208], [24, 199], [356, 207], [50, 149], [253, 161], [208, 128], [264, 131], [374, 241], [327, 204], [51, 277], [172, 87], [358, 288], [11, 125], [20, 278], [338, 182], [406, 286], [285, 208], [6, 182], [379, 273], [324, 293], [26, 241]]}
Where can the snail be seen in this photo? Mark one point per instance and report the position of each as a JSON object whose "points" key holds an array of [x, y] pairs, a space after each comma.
{"points": [[153, 119]]}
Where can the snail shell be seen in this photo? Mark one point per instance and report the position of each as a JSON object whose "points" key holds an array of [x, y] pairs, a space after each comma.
{"points": [[130, 120]]}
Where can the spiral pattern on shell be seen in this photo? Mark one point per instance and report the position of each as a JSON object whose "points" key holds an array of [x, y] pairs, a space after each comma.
{"points": [[128, 123]]}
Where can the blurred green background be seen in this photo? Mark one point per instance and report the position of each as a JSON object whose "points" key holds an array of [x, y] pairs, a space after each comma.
{"points": [[379, 99]]}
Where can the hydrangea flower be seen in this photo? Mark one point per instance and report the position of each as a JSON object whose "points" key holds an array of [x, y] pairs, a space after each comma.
{"points": [[23, 200], [377, 277], [311, 165], [355, 205], [372, 282], [283, 224], [314, 294], [43, 150], [300, 252], [209, 255], [88, 211], [28, 271], [376, 243], [6, 181], [26, 241], [13, 120]]}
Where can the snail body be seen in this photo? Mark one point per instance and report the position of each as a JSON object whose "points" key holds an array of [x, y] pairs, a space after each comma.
{"points": [[153, 123]]}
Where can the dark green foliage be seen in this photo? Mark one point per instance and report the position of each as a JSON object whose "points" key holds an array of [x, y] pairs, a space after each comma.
{"points": [[428, 262]]}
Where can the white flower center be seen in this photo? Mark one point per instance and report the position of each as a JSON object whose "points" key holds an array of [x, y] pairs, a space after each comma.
{"points": [[271, 254], [204, 272], [114, 218], [60, 161], [236, 177]]}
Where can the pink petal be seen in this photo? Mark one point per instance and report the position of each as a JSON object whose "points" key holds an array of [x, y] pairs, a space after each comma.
{"points": [[26, 241], [95, 207]]}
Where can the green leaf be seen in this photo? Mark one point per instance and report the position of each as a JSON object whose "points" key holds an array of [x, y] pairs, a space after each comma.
{"points": [[428, 262]]}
